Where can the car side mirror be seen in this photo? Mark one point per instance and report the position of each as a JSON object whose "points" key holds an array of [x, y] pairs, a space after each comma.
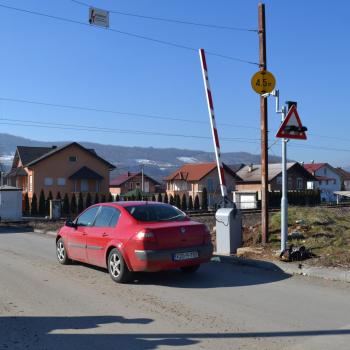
{"points": [[71, 223]]}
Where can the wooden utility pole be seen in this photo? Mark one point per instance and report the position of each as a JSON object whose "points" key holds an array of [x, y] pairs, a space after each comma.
{"points": [[264, 128]]}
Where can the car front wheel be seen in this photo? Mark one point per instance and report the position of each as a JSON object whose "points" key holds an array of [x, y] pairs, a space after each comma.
{"points": [[117, 268]]}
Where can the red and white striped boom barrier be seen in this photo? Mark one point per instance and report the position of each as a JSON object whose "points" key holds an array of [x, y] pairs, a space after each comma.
{"points": [[214, 129]]}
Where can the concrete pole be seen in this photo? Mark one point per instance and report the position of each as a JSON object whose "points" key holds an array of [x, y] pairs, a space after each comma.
{"points": [[284, 199]]}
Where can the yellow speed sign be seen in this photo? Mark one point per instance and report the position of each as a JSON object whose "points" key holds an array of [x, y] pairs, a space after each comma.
{"points": [[263, 82]]}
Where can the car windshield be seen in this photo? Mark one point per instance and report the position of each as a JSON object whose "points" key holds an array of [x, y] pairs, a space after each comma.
{"points": [[155, 212]]}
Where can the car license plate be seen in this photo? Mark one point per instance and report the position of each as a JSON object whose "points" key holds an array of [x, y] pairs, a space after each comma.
{"points": [[186, 255]]}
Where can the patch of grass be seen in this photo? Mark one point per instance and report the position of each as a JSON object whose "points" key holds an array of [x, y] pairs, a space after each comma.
{"points": [[326, 232]]}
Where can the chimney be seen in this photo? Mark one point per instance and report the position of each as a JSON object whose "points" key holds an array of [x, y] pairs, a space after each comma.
{"points": [[250, 167]]}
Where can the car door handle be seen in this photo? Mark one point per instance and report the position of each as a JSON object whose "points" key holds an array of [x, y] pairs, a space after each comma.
{"points": [[104, 234]]}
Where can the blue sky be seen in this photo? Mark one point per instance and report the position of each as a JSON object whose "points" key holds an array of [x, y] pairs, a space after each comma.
{"points": [[50, 61]]}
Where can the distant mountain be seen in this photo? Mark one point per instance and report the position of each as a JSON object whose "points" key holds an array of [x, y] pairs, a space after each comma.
{"points": [[158, 162]]}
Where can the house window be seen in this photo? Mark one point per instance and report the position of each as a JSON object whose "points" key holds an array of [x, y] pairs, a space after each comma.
{"points": [[300, 183], [279, 180], [138, 185], [48, 181], [61, 181], [30, 183], [84, 185], [97, 186], [290, 182], [326, 182], [72, 158], [325, 171], [131, 184]]}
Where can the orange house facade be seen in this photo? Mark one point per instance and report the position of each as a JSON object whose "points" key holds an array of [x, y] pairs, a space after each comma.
{"points": [[129, 181], [69, 169], [190, 180]]}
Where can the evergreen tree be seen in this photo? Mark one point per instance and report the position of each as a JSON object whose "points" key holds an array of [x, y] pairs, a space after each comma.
{"points": [[117, 198], [26, 205], [42, 207], [196, 202], [34, 206], [80, 203], [132, 197], [153, 198], [166, 199], [47, 203], [177, 201], [204, 199], [103, 198], [73, 204], [97, 199], [190, 203], [58, 196], [159, 199], [88, 200], [65, 208], [184, 202], [171, 200], [110, 197]]}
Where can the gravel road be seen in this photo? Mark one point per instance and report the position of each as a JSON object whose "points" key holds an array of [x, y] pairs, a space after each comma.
{"points": [[44, 305]]}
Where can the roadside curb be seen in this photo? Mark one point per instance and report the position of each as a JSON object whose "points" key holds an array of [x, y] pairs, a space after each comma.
{"points": [[50, 233], [333, 274]]}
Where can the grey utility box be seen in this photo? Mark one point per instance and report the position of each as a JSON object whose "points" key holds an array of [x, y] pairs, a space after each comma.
{"points": [[228, 230]]}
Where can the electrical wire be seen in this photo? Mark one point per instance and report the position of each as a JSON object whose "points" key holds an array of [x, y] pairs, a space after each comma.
{"points": [[94, 128], [141, 115], [134, 35], [162, 19]]}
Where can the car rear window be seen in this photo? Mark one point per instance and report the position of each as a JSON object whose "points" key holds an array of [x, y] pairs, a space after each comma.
{"points": [[153, 212]]}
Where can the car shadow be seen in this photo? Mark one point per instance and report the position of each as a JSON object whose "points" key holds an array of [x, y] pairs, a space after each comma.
{"points": [[44, 332], [213, 275], [210, 275]]}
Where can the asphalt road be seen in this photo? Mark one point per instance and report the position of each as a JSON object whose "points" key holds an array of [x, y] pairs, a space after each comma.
{"points": [[44, 305]]}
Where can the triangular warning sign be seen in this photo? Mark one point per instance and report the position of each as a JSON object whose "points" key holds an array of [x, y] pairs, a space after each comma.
{"points": [[291, 127]]}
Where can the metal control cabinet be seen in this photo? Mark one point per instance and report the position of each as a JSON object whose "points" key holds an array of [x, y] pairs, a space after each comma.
{"points": [[228, 230]]}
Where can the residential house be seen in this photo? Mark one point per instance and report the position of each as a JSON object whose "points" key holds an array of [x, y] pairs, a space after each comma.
{"points": [[327, 180], [190, 180], [248, 190], [129, 181], [345, 179], [65, 169]]}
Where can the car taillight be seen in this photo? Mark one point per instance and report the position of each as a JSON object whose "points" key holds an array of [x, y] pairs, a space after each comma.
{"points": [[146, 236]]}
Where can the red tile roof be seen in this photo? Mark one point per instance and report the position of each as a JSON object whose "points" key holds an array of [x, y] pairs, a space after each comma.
{"points": [[312, 167], [195, 172], [122, 178]]}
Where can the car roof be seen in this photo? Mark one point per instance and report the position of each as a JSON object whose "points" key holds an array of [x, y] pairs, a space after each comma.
{"points": [[133, 203]]}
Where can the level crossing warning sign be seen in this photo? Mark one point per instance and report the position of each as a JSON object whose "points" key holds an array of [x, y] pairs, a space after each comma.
{"points": [[292, 127]]}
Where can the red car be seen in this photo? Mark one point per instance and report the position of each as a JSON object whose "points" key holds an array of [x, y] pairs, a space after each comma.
{"points": [[134, 236]]}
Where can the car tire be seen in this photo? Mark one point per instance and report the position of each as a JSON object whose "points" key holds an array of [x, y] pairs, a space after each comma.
{"points": [[190, 269], [117, 268], [61, 252]]}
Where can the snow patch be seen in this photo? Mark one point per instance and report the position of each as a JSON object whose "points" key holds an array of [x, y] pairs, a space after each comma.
{"points": [[188, 159], [154, 163]]}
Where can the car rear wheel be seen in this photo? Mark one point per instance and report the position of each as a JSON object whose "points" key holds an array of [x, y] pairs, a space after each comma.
{"points": [[117, 268], [61, 252], [190, 269]]}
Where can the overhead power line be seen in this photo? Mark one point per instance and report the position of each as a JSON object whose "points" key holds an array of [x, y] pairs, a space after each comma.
{"points": [[94, 128], [134, 35], [177, 21], [133, 114]]}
